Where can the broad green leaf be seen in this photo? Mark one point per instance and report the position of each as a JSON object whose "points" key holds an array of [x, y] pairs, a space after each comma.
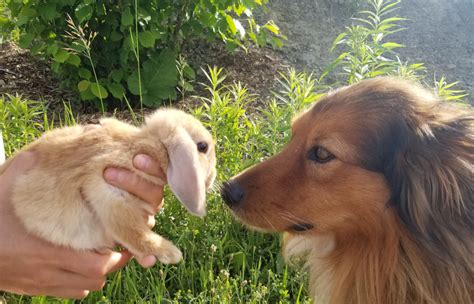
{"points": [[85, 73], [116, 75], [4, 21], [61, 56], [74, 60], [52, 49], [25, 15], [146, 39], [99, 91], [189, 72], [127, 17], [25, 40], [83, 85], [160, 75], [115, 36], [134, 84], [116, 89], [47, 11], [83, 12], [87, 95]]}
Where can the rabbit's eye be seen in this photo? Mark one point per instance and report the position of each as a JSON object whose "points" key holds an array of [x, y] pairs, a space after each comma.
{"points": [[202, 147]]}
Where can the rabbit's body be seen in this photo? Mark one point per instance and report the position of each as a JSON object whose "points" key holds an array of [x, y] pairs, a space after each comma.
{"points": [[65, 200]]}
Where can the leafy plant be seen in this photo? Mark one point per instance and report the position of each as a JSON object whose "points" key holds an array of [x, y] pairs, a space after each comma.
{"points": [[109, 48], [365, 51], [446, 91]]}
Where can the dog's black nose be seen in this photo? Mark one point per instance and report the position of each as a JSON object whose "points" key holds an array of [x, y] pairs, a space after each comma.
{"points": [[232, 193]]}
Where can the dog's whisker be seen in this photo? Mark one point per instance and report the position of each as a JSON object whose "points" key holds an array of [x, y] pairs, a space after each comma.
{"points": [[291, 217], [270, 223]]}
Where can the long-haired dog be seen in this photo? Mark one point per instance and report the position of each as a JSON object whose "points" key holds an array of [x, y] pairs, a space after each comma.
{"points": [[375, 191], [65, 200]]}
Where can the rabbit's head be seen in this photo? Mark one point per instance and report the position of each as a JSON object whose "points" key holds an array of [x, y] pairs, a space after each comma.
{"points": [[192, 158]]}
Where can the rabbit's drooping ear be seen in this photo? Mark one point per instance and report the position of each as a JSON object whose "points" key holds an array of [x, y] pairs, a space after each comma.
{"points": [[184, 173]]}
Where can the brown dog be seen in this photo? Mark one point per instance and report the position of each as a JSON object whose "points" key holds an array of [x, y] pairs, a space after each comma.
{"points": [[375, 189], [65, 200]]}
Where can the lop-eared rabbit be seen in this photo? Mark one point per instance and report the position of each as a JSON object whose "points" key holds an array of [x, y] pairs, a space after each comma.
{"points": [[65, 200]]}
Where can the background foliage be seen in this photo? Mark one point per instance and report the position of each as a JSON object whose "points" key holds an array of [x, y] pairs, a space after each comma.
{"points": [[111, 48]]}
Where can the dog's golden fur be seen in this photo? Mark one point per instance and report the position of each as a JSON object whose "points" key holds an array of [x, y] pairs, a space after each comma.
{"points": [[393, 211], [65, 200]]}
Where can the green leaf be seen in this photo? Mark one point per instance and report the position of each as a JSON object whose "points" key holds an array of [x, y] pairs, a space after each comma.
{"points": [[85, 73], [134, 84], [25, 15], [116, 89], [83, 85], [52, 49], [55, 67], [189, 72], [272, 27], [4, 21], [146, 39], [115, 36], [391, 45], [61, 56], [99, 91], [74, 60], [87, 95], [116, 75], [83, 12], [161, 75], [47, 11], [25, 40], [127, 17], [231, 24]]}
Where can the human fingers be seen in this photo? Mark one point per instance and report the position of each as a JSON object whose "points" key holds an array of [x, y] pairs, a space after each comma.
{"points": [[131, 182], [92, 264], [148, 165]]}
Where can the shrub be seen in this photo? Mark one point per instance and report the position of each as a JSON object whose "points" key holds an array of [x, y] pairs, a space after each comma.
{"points": [[109, 48]]}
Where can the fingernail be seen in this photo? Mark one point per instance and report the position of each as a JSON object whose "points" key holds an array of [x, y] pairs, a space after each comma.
{"points": [[141, 161], [111, 174], [148, 261], [115, 257]]}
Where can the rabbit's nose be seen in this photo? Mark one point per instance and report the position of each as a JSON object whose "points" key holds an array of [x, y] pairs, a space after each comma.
{"points": [[232, 193]]}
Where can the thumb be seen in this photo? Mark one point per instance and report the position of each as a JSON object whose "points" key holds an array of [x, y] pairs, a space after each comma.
{"points": [[20, 164]]}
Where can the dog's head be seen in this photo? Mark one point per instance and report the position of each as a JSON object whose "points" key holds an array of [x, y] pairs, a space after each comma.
{"points": [[380, 144], [192, 157]]}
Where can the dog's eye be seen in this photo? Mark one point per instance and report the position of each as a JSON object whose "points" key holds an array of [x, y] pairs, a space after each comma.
{"points": [[320, 155], [202, 147]]}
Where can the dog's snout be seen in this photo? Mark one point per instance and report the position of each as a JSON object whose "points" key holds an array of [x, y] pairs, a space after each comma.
{"points": [[232, 193]]}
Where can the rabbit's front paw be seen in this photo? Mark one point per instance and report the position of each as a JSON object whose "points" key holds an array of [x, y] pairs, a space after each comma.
{"points": [[169, 254]]}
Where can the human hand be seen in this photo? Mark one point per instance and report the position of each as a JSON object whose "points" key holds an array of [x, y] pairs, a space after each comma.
{"points": [[141, 188], [31, 266]]}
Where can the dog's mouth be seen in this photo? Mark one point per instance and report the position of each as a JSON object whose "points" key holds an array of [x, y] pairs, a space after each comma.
{"points": [[301, 227]]}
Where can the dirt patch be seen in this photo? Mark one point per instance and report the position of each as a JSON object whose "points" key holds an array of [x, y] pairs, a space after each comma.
{"points": [[31, 77], [28, 76]]}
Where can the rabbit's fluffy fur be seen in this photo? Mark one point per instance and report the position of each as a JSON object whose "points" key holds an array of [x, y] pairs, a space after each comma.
{"points": [[65, 200]]}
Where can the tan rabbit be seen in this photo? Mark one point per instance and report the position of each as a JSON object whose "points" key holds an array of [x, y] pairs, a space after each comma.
{"points": [[65, 200]]}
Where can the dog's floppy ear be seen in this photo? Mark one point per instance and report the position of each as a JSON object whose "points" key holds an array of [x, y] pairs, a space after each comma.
{"points": [[431, 177], [184, 173]]}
